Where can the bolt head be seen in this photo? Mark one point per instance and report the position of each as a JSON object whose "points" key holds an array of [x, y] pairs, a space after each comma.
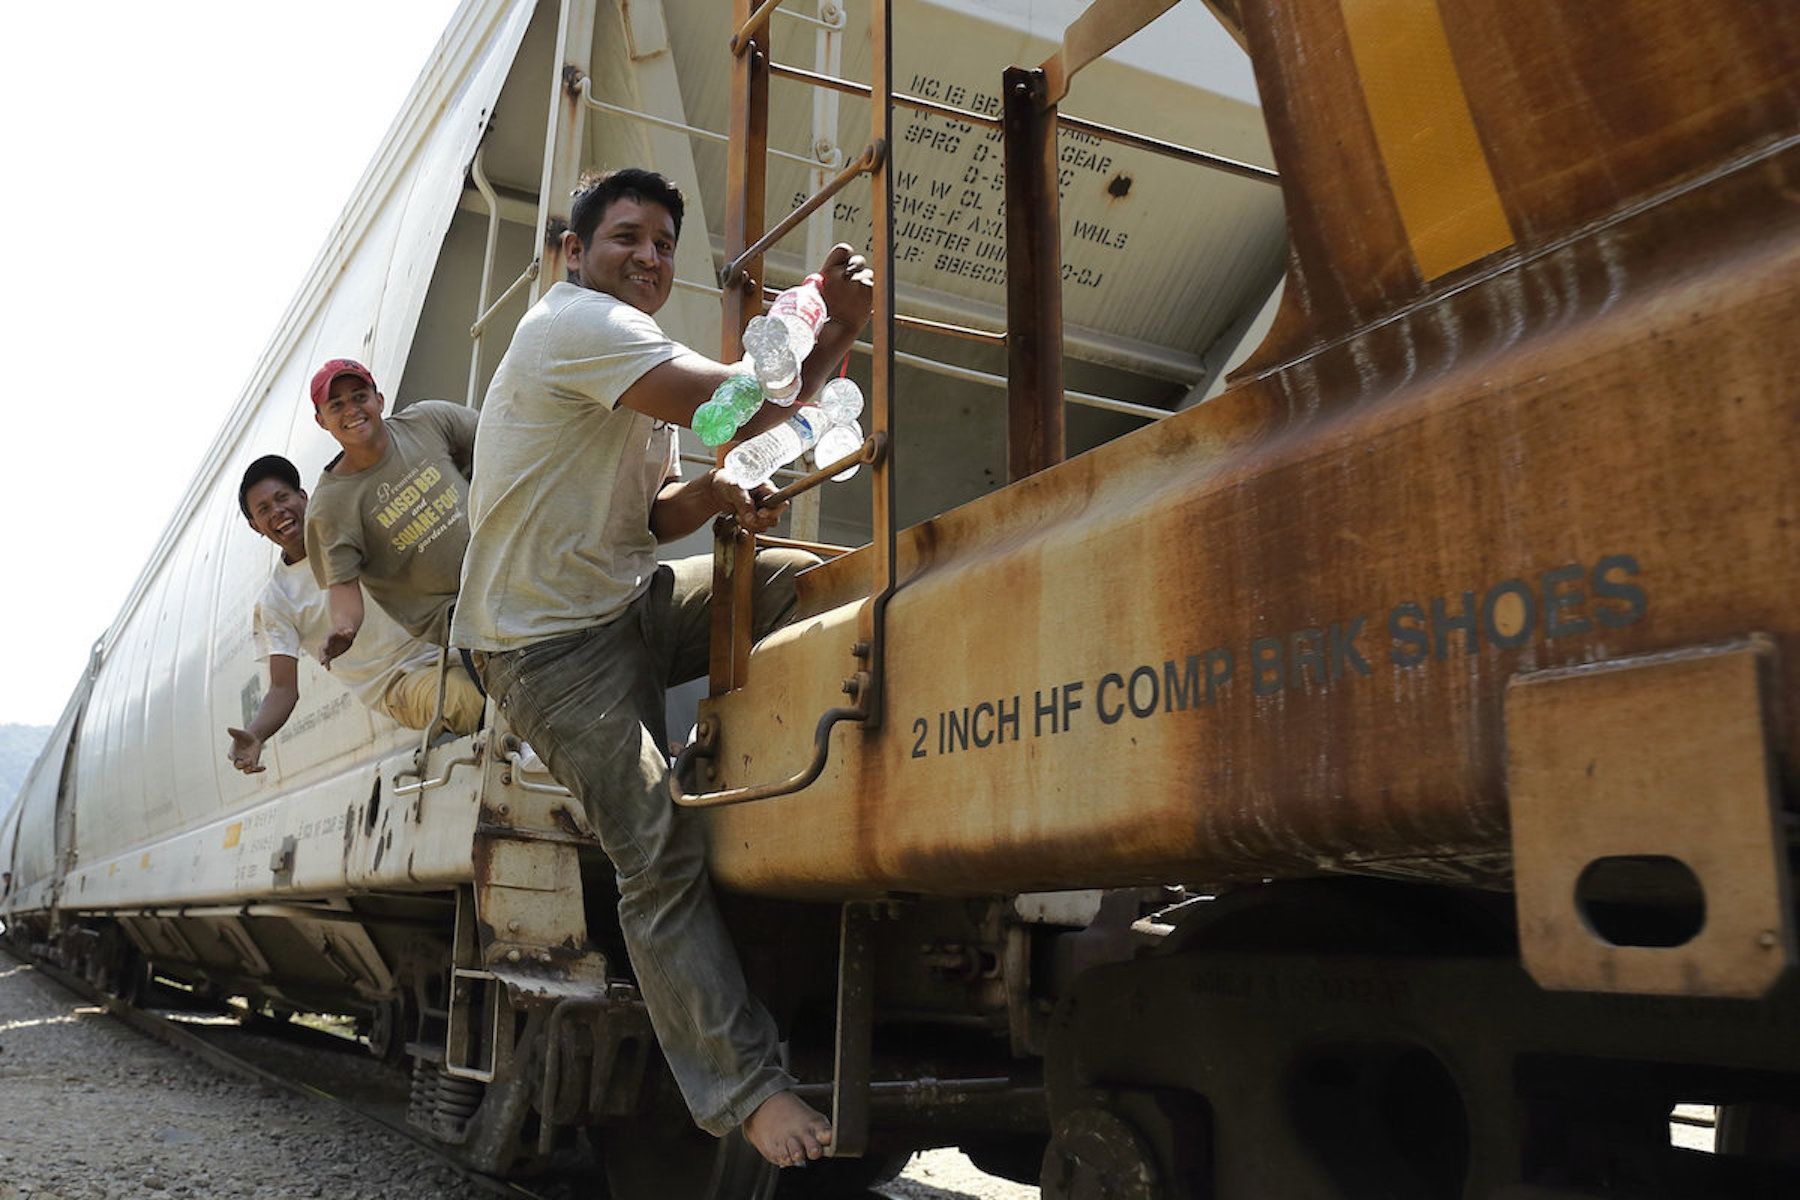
{"points": [[513, 956]]}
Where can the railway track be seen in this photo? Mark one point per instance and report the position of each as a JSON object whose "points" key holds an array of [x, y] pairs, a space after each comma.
{"points": [[213, 1044], [334, 1070]]}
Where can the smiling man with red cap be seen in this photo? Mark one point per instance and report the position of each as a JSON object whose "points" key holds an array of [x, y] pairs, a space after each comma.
{"points": [[391, 511]]}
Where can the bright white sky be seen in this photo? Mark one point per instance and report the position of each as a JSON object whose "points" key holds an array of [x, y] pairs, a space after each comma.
{"points": [[171, 171]]}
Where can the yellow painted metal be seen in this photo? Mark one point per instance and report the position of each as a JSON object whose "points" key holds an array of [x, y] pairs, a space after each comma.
{"points": [[1439, 174]]}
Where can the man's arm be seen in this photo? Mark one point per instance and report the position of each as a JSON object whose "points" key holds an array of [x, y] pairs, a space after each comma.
{"points": [[684, 505], [671, 391], [346, 619], [284, 692]]}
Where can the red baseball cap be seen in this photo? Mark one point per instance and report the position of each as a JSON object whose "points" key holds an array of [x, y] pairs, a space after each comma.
{"points": [[323, 377]]}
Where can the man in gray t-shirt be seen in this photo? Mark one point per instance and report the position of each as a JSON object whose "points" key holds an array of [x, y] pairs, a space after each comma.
{"points": [[392, 509], [579, 630]]}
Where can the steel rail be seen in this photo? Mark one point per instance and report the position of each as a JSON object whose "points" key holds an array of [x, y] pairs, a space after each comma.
{"points": [[530, 273], [872, 157], [852, 88], [478, 175], [1109, 133], [1148, 412], [1187, 154], [705, 135], [970, 333]]}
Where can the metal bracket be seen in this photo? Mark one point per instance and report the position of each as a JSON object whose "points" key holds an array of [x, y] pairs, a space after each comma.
{"points": [[855, 1030], [1660, 770]]}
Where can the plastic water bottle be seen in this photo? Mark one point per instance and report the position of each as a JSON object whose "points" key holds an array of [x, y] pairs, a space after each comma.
{"points": [[733, 402], [758, 459], [779, 340], [802, 309], [776, 361], [841, 401], [837, 441]]}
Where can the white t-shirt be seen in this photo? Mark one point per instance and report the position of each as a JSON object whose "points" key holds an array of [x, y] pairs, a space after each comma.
{"points": [[293, 617], [559, 536]]}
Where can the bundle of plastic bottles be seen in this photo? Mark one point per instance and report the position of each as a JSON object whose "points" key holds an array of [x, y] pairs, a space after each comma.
{"points": [[829, 429], [775, 347]]}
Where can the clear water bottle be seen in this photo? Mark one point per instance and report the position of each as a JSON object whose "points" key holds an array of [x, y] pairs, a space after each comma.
{"points": [[802, 309], [838, 440], [841, 401], [758, 459], [775, 359]]}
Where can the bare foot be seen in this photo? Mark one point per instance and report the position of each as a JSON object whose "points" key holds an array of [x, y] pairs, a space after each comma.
{"points": [[787, 1130]]}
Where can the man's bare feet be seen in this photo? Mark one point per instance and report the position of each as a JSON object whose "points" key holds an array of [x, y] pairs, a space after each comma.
{"points": [[787, 1130]]}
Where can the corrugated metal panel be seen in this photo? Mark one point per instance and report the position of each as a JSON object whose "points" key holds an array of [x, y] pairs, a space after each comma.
{"points": [[1154, 250], [179, 666]]}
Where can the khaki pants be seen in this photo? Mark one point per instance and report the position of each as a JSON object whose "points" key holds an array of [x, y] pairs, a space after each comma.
{"points": [[411, 698]]}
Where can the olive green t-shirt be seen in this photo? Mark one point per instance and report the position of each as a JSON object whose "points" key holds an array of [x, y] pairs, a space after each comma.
{"points": [[401, 526]]}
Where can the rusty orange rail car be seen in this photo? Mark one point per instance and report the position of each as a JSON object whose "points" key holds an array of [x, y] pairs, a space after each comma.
{"points": [[1375, 778]]}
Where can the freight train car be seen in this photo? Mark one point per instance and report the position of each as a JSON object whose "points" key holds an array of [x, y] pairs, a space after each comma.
{"points": [[1369, 775]]}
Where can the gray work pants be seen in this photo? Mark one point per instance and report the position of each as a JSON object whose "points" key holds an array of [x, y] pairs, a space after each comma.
{"points": [[591, 705]]}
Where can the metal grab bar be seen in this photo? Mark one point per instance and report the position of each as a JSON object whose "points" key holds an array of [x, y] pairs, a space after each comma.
{"points": [[969, 333], [746, 34], [531, 273], [822, 549], [1107, 133], [517, 762], [852, 88], [732, 273], [425, 785], [871, 451], [585, 91], [706, 745]]}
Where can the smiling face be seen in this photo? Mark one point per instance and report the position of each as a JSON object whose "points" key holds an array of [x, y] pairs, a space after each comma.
{"points": [[278, 512], [631, 255], [351, 414]]}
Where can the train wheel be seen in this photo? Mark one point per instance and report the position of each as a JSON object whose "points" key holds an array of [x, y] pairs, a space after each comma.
{"points": [[679, 1162]]}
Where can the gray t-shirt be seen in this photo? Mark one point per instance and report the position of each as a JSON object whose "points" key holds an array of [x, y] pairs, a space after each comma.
{"points": [[560, 512], [401, 526]]}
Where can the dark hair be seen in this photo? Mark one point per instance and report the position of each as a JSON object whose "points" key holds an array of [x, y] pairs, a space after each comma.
{"points": [[269, 466], [596, 190]]}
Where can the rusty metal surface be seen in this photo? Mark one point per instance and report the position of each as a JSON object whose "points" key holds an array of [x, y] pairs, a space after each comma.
{"points": [[1034, 362], [1668, 758], [1581, 453], [746, 169], [1580, 116]]}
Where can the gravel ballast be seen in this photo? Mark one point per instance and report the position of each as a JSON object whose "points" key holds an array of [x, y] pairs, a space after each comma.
{"points": [[92, 1110]]}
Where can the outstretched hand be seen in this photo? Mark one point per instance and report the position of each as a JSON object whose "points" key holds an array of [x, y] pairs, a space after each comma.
{"points": [[246, 751], [848, 287]]}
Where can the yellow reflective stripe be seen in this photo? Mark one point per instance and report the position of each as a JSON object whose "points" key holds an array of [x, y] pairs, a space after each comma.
{"points": [[233, 831], [1439, 175]]}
